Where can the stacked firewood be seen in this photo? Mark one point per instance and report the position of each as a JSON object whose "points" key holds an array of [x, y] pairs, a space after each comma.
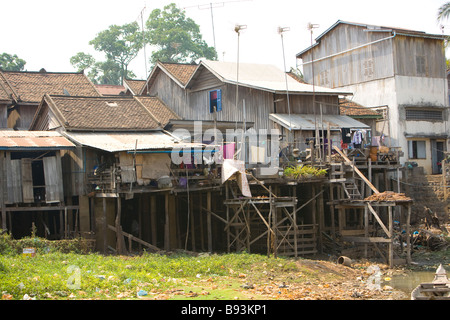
{"points": [[388, 196]]}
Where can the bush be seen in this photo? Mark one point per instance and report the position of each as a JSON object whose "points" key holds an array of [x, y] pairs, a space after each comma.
{"points": [[11, 246], [302, 171], [6, 246]]}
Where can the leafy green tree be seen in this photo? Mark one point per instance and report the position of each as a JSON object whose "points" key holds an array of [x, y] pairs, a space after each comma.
{"points": [[177, 37], [443, 11], [121, 44], [11, 62], [99, 72]]}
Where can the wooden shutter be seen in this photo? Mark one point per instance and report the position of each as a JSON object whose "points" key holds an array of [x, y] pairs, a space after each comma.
{"points": [[27, 181], [53, 179]]}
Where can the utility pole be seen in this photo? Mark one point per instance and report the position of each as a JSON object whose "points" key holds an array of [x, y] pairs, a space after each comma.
{"points": [[311, 27], [281, 31]]}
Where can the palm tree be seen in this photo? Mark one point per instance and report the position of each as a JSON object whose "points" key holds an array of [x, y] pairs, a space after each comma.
{"points": [[444, 11]]}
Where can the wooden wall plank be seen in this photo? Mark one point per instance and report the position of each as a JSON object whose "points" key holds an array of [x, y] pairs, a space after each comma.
{"points": [[52, 179], [27, 181]]}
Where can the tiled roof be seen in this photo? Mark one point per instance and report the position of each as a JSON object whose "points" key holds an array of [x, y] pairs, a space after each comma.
{"points": [[135, 86], [109, 89], [182, 72], [31, 86], [158, 109], [101, 113], [354, 109], [3, 93]]}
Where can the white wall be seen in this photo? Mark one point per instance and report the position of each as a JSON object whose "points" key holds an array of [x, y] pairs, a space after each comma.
{"points": [[401, 91]]}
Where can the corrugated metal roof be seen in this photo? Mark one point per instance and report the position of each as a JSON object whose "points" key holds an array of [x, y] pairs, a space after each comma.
{"points": [[264, 77], [398, 31], [308, 121], [115, 142], [33, 140]]}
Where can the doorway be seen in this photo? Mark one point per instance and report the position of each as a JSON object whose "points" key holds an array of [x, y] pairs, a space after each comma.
{"points": [[437, 155]]}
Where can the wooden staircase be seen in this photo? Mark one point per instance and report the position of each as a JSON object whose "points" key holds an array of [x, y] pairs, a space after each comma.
{"points": [[351, 189]]}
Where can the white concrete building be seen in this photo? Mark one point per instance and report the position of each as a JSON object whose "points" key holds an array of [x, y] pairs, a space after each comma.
{"points": [[402, 71]]}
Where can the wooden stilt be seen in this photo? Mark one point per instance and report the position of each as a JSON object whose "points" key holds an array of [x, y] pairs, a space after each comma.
{"points": [[153, 219], [104, 226], [408, 235], [3, 217], [391, 233], [191, 205], [321, 219], [208, 217], [294, 213], [120, 241], [366, 228], [228, 218], [167, 223]]}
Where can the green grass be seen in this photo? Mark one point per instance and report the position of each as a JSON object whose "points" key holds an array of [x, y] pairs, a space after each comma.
{"points": [[56, 275]]}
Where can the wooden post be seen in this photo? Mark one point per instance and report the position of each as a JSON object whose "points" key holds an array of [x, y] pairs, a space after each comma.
{"points": [[153, 219], [61, 224], [366, 228], [329, 141], [294, 218], [201, 222], [332, 210], [208, 218], [3, 217], [369, 191], [321, 220], [408, 235], [167, 223], [140, 206], [120, 244], [104, 226], [228, 217], [314, 208], [66, 224], [391, 236], [191, 206]]}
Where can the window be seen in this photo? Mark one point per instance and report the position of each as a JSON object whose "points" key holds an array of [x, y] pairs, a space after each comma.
{"points": [[324, 78], [424, 115], [368, 69], [215, 101], [417, 149], [421, 66]]}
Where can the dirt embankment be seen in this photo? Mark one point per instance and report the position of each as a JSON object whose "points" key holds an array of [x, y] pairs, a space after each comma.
{"points": [[327, 280]]}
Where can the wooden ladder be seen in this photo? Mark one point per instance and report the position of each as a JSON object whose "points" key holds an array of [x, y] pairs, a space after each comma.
{"points": [[351, 190]]}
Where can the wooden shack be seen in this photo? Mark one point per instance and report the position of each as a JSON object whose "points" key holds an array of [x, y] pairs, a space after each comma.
{"points": [[31, 189], [23, 92], [403, 71]]}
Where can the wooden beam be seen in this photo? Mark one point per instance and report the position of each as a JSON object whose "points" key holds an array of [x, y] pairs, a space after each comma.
{"points": [[306, 203], [133, 238], [379, 220], [43, 208], [366, 240], [348, 162]]}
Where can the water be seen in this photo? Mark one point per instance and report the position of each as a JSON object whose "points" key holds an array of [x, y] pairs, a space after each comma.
{"points": [[409, 281]]}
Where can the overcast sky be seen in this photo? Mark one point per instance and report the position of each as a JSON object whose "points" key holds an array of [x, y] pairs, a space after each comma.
{"points": [[47, 33]]}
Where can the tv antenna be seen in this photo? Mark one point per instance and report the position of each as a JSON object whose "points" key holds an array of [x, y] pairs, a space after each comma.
{"points": [[211, 6]]}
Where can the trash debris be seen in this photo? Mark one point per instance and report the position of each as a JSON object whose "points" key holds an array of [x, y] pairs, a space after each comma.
{"points": [[142, 293]]}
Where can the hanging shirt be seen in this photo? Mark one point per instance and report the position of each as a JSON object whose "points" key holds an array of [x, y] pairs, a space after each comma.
{"points": [[357, 137]]}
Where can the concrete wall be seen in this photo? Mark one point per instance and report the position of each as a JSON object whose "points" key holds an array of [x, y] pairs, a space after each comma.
{"points": [[398, 93]]}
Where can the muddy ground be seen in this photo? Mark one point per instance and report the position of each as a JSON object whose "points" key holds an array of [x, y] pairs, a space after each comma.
{"points": [[325, 279]]}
